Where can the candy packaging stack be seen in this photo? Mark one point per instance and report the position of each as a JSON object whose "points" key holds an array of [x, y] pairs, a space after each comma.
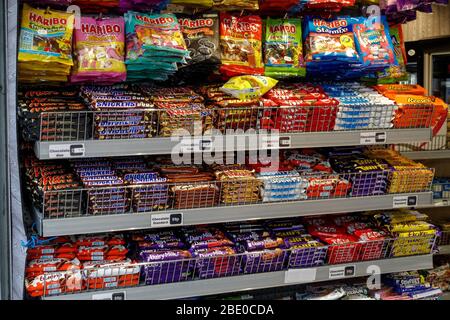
{"points": [[106, 191], [53, 114], [405, 175], [165, 255], [121, 112], [282, 186], [46, 180], [298, 108], [100, 51], [231, 113], [283, 53], [215, 253], [190, 187], [241, 45], [149, 191], [201, 34], [413, 234], [45, 45], [368, 177], [183, 111], [262, 253], [360, 107], [111, 274], [155, 45], [330, 49], [323, 182], [238, 185]]}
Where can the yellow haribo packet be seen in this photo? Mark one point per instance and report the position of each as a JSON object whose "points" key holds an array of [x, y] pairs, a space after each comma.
{"points": [[248, 87]]}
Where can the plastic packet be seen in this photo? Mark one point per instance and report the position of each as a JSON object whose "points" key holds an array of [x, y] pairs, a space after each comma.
{"points": [[100, 50], [236, 4], [248, 87], [240, 43], [283, 48]]}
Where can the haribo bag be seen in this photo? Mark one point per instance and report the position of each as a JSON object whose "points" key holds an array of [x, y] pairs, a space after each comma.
{"points": [[100, 50]]}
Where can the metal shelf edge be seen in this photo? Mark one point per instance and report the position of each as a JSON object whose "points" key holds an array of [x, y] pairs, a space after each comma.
{"points": [[155, 146], [135, 221], [427, 155], [254, 281]]}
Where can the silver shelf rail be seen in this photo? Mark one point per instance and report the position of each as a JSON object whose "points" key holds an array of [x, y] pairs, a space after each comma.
{"points": [[134, 221], [165, 145]]}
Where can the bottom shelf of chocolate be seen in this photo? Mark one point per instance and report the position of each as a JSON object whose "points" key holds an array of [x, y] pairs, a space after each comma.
{"points": [[53, 114], [405, 175], [165, 256], [46, 182], [367, 176], [215, 254], [111, 195], [238, 184], [190, 187]]}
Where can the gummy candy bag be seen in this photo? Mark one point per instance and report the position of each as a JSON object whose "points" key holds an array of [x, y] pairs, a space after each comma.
{"points": [[100, 50], [373, 43], [283, 48], [398, 72], [45, 45], [240, 43], [235, 4], [248, 87], [199, 3]]}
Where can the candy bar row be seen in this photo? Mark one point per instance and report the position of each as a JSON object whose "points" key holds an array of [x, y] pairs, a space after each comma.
{"points": [[64, 264], [112, 186], [143, 111]]}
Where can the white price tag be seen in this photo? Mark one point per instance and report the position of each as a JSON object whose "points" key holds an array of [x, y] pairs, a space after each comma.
{"points": [[120, 295], [404, 201], [166, 220], [270, 142], [300, 275], [342, 272], [189, 145], [59, 151], [368, 138]]}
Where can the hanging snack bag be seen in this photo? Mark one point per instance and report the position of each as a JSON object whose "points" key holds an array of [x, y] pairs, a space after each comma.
{"points": [[373, 43], [196, 3], [45, 45], [248, 87], [240, 44], [283, 48], [235, 4], [397, 72], [100, 51]]}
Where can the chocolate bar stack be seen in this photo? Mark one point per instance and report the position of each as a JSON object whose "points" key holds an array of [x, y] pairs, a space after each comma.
{"points": [[182, 111], [282, 186], [261, 251], [149, 191], [122, 112], [361, 107], [105, 262], [231, 113], [238, 184], [106, 191], [368, 177], [190, 187], [304, 251], [165, 257], [53, 114], [298, 108], [53, 188], [215, 253]]}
